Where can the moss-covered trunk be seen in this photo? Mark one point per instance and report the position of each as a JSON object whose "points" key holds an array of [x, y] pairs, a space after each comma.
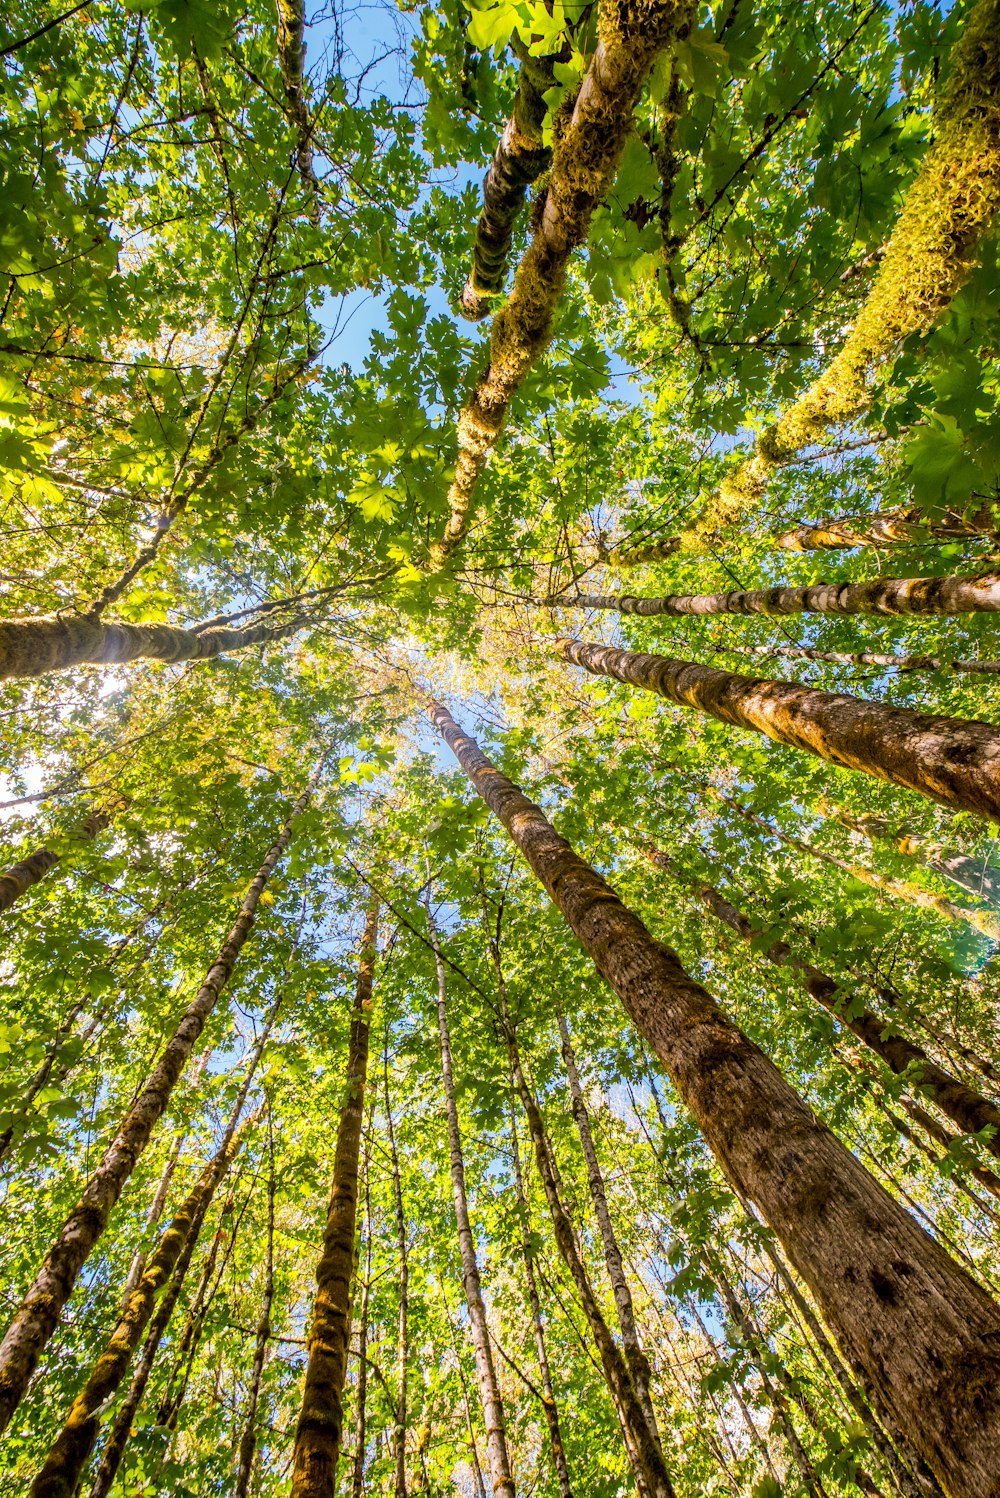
{"points": [[22, 875], [320, 1426], [951, 760], [924, 1334], [36, 1317]]}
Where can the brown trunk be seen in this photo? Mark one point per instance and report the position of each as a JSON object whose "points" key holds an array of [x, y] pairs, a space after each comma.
{"points": [[320, 1425], [31, 647], [520, 157], [37, 1316], [361, 1395], [976, 594], [402, 1339], [489, 1390], [121, 1428], [635, 1356], [888, 528], [63, 1467], [194, 1322], [559, 1461], [965, 1107], [926, 1335], [21, 876], [641, 1444], [584, 164], [951, 760], [867, 658], [248, 1438]]}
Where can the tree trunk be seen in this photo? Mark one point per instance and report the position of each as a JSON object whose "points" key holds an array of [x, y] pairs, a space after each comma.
{"points": [[291, 60], [978, 593], [974, 875], [489, 1390], [63, 1467], [361, 1399], [584, 165], [194, 1322], [121, 1429], [402, 1348], [559, 1461], [320, 1425], [886, 528], [37, 1316], [520, 158], [31, 647], [951, 760], [926, 1335], [635, 1356], [642, 1446], [868, 658], [964, 1106], [21, 876], [248, 1438]]}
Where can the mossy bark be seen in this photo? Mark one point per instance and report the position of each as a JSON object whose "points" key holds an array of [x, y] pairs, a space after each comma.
{"points": [[924, 1334], [959, 1102], [631, 33], [520, 158], [867, 658], [60, 1473], [888, 528], [319, 1431], [31, 647], [402, 1325], [498, 1456], [292, 60], [37, 1316], [951, 760], [22, 875], [976, 594], [248, 1438]]}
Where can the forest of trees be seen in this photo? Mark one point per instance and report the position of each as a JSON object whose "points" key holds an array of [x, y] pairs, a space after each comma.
{"points": [[500, 546]]}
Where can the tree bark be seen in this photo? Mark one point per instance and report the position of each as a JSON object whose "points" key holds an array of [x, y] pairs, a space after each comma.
{"points": [[291, 60], [38, 1314], [402, 1339], [520, 158], [248, 1438], [951, 760], [978, 593], [869, 658], [489, 1390], [974, 875], [63, 1467], [31, 647], [887, 528], [961, 1103], [925, 1334], [320, 1425], [584, 164], [635, 1356], [549, 1406], [644, 1450], [21, 876], [361, 1395]]}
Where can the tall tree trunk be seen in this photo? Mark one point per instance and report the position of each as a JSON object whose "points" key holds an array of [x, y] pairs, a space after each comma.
{"points": [[361, 1399], [962, 1104], [63, 1467], [291, 60], [975, 875], [194, 1322], [867, 658], [951, 760], [643, 1448], [320, 1424], [520, 158], [926, 1335], [22, 875], [584, 165], [489, 1390], [31, 647], [121, 1427], [37, 1316], [886, 528], [559, 1461], [635, 1356], [248, 1437], [402, 1340], [979, 593]]}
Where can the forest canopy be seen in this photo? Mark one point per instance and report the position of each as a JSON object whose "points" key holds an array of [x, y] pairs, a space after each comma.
{"points": [[500, 509]]}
